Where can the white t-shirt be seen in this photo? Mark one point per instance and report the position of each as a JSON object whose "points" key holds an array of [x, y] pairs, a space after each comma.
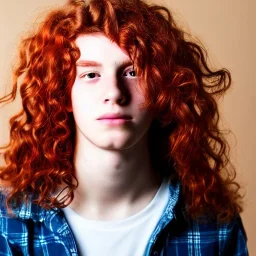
{"points": [[127, 237]]}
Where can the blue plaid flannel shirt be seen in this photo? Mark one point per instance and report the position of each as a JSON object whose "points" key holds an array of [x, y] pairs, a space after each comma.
{"points": [[39, 232]]}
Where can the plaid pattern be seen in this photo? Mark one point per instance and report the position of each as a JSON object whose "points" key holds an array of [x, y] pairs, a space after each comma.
{"points": [[210, 239], [35, 231]]}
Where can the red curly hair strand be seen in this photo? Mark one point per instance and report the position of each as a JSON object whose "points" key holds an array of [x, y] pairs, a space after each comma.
{"points": [[179, 87]]}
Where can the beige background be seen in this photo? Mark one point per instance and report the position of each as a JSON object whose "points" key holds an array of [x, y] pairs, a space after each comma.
{"points": [[226, 27]]}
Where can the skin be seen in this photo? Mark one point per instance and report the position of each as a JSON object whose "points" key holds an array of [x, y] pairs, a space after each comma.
{"points": [[111, 156]]}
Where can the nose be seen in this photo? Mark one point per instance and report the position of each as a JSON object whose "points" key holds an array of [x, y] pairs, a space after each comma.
{"points": [[115, 92]]}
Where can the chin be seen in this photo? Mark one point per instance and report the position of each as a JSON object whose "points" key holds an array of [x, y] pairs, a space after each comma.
{"points": [[118, 146], [117, 143]]}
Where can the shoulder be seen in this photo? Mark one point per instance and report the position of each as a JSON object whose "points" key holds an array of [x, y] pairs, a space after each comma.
{"points": [[227, 237], [13, 230], [31, 227], [232, 237], [10, 221], [207, 237], [3, 209], [17, 218]]}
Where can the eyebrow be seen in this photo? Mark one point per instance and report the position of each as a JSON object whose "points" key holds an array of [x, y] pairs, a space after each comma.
{"points": [[90, 63]]}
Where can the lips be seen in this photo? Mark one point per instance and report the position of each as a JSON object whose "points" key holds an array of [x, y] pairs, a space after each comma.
{"points": [[111, 116], [111, 119]]}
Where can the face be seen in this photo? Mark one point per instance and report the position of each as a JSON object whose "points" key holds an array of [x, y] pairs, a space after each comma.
{"points": [[106, 98]]}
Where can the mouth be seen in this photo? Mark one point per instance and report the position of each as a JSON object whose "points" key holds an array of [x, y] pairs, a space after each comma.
{"points": [[115, 119]]}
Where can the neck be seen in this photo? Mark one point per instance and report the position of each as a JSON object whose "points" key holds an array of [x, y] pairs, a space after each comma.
{"points": [[113, 184]]}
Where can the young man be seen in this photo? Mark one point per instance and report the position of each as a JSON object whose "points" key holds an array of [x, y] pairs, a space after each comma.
{"points": [[117, 149]]}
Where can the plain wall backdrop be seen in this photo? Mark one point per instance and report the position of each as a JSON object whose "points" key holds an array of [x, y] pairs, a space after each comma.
{"points": [[225, 27]]}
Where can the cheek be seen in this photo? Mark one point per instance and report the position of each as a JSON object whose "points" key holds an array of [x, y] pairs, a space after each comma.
{"points": [[145, 115], [137, 95], [139, 101], [81, 108], [80, 98]]}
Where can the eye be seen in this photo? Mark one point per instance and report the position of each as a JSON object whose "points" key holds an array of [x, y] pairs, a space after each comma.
{"points": [[130, 73], [90, 76]]}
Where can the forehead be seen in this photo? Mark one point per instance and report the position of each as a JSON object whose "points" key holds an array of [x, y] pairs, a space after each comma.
{"points": [[97, 47]]}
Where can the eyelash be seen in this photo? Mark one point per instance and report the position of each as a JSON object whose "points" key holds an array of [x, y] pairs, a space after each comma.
{"points": [[129, 71], [98, 75], [85, 75]]}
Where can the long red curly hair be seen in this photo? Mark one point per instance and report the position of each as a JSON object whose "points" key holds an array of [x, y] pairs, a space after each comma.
{"points": [[181, 89]]}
